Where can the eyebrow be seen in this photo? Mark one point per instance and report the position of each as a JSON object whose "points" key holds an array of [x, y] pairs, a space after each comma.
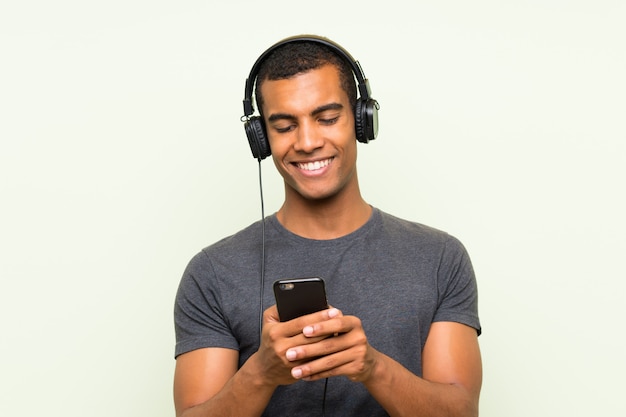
{"points": [[321, 109]]}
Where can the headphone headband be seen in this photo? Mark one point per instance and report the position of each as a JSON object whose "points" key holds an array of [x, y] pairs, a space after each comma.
{"points": [[363, 83]]}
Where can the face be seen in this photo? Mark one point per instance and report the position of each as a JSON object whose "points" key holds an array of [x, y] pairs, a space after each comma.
{"points": [[310, 126]]}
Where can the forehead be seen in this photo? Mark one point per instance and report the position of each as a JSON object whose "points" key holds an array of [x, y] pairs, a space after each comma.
{"points": [[309, 89]]}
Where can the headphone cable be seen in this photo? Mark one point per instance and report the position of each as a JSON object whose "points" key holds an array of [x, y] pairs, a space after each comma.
{"points": [[324, 398], [263, 278], [262, 254]]}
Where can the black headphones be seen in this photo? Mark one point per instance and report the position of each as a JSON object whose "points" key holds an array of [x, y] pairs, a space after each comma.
{"points": [[366, 110]]}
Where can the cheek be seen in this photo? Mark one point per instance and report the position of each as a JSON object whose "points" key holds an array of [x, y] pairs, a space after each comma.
{"points": [[351, 151], [279, 145], [277, 162]]}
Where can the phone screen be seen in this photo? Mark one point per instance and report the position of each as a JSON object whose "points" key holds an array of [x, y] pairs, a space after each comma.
{"points": [[298, 297]]}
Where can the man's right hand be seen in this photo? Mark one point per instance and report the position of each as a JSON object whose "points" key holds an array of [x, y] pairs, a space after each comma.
{"points": [[278, 337]]}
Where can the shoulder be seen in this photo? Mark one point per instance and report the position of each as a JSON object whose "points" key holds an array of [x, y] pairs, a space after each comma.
{"points": [[413, 230], [230, 249], [391, 221], [418, 237], [249, 237]]}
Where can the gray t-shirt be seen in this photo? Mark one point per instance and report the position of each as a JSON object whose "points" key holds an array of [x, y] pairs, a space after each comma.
{"points": [[396, 276]]}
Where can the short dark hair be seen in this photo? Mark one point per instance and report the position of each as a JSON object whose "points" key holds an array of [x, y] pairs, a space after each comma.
{"points": [[296, 58]]}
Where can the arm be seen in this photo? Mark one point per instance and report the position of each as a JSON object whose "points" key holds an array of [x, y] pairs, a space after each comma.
{"points": [[452, 376], [207, 382], [452, 371]]}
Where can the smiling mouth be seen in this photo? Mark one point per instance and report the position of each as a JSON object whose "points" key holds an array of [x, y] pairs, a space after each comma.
{"points": [[313, 166]]}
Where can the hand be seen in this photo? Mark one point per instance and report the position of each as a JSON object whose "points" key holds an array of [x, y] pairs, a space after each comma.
{"points": [[278, 339], [347, 353]]}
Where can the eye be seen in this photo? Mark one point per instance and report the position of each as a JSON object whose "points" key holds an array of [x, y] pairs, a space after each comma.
{"points": [[284, 129], [329, 121]]}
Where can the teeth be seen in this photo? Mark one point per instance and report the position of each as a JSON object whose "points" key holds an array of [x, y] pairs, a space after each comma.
{"points": [[313, 166]]}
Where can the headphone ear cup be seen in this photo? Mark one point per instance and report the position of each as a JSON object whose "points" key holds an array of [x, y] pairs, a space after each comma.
{"points": [[366, 120], [255, 131]]}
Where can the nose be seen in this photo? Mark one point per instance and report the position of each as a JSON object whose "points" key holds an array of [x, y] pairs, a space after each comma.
{"points": [[309, 138]]}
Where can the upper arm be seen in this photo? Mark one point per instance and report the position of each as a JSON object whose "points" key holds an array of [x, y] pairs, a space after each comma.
{"points": [[200, 374], [452, 356]]}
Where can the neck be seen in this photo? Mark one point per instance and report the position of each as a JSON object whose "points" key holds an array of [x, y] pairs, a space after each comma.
{"points": [[324, 219]]}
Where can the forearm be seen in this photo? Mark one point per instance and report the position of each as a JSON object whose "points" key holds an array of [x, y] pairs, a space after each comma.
{"points": [[402, 393], [244, 394]]}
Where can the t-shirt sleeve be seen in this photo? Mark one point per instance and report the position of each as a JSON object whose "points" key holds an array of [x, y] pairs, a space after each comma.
{"points": [[198, 316], [458, 293]]}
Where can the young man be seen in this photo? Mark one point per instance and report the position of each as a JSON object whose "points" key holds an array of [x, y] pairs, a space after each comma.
{"points": [[401, 336]]}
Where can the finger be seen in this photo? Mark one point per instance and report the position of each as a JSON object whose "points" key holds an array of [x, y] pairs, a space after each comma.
{"points": [[323, 346], [341, 324], [270, 315], [356, 363], [320, 316], [297, 325], [324, 367]]}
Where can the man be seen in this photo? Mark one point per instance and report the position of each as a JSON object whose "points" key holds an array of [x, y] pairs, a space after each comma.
{"points": [[401, 336]]}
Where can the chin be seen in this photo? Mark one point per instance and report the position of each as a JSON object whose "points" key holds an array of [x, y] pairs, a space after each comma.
{"points": [[317, 195]]}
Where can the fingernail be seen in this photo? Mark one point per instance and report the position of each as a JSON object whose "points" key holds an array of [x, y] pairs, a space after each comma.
{"points": [[291, 354], [308, 330], [296, 373], [333, 312]]}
